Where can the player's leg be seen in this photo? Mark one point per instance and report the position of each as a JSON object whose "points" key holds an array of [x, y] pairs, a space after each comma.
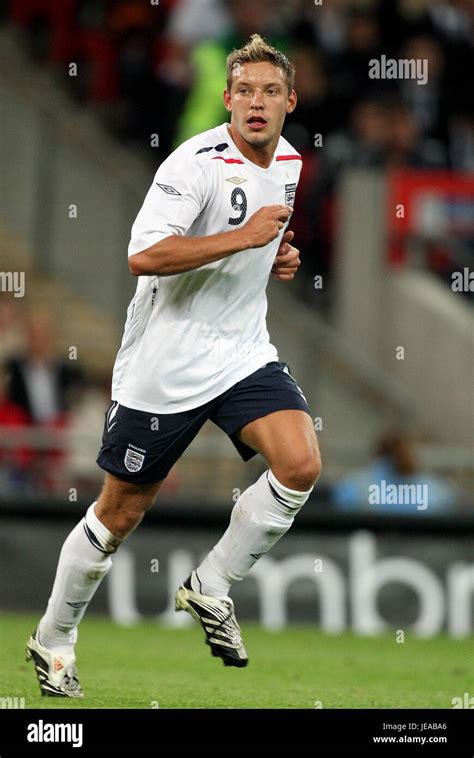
{"points": [[121, 505], [84, 561], [137, 454], [85, 557], [266, 413], [266, 510], [288, 442]]}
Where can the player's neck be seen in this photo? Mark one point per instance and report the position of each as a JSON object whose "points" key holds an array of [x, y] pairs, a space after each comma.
{"points": [[262, 157]]}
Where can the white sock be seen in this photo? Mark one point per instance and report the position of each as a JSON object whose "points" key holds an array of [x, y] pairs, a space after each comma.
{"points": [[261, 515], [83, 563]]}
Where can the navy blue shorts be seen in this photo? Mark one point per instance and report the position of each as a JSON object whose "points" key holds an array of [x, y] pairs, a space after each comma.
{"points": [[142, 447]]}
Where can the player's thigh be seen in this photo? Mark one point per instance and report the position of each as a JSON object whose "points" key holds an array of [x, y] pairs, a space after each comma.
{"points": [[288, 442]]}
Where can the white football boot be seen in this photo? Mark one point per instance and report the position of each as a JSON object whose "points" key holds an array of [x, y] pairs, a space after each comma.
{"points": [[57, 674], [217, 618]]}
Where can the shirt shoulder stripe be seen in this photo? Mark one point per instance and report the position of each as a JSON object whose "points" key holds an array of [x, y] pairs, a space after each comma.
{"points": [[226, 160], [289, 158]]}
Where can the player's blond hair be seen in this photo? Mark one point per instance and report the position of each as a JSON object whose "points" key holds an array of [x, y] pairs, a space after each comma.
{"points": [[258, 50]]}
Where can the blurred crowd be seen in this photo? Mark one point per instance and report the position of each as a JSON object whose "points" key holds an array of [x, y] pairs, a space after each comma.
{"points": [[37, 391], [51, 409], [51, 418], [155, 71]]}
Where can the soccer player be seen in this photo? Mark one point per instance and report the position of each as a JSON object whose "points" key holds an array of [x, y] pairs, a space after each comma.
{"points": [[195, 347]]}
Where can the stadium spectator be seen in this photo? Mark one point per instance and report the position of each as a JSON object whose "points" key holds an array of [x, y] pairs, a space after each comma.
{"points": [[306, 129], [191, 23], [461, 139], [317, 111], [44, 387], [349, 71], [325, 29], [406, 146], [41, 383], [15, 457], [204, 106], [10, 331], [427, 101], [394, 465], [364, 143]]}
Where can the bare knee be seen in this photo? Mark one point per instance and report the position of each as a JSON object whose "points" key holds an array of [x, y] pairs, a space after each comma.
{"points": [[120, 521], [300, 472], [122, 505]]}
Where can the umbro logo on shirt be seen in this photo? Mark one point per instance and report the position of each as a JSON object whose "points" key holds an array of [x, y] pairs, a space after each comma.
{"points": [[236, 180], [169, 190]]}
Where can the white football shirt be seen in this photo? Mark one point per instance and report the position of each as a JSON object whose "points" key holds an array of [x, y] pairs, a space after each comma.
{"points": [[189, 337]]}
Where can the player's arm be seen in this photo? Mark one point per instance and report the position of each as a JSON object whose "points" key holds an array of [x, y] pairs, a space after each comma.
{"points": [[176, 254]]}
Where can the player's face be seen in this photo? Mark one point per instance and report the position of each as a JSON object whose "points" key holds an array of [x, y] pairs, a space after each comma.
{"points": [[259, 101]]}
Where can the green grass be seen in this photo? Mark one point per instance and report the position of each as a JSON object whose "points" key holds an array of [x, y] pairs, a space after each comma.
{"points": [[131, 668]]}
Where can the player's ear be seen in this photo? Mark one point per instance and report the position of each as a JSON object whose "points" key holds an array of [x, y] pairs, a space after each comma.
{"points": [[292, 100], [227, 100]]}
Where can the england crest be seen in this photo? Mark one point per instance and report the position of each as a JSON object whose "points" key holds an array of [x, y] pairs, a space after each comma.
{"points": [[133, 460], [290, 190]]}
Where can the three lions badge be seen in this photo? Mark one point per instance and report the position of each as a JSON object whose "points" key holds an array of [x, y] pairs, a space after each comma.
{"points": [[290, 190], [134, 457]]}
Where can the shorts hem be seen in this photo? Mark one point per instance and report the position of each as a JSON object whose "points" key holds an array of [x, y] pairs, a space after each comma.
{"points": [[132, 478]]}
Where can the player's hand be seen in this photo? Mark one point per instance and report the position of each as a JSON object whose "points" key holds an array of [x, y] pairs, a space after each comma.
{"points": [[265, 225], [287, 261]]}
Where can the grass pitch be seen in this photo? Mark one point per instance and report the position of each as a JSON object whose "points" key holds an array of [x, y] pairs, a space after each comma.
{"points": [[150, 666]]}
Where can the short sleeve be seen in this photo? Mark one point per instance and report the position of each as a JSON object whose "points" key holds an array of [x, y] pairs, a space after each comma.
{"points": [[174, 200]]}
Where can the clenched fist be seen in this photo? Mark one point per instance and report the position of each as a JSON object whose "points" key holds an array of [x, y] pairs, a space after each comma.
{"points": [[265, 225]]}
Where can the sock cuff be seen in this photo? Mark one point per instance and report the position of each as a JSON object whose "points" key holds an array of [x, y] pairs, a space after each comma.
{"points": [[294, 498], [98, 534]]}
